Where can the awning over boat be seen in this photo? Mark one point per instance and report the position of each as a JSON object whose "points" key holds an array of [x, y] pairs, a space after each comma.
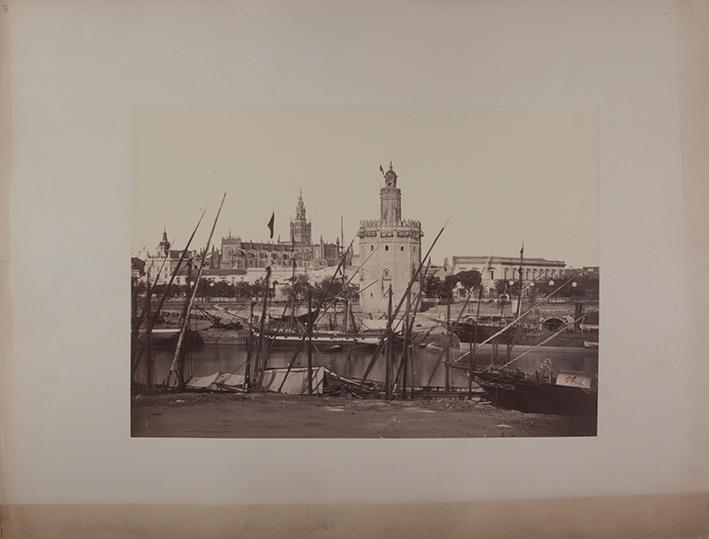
{"points": [[297, 381], [295, 384]]}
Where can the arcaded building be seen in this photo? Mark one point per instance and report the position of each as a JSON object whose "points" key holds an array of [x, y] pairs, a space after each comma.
{"points": [[393, 246]]}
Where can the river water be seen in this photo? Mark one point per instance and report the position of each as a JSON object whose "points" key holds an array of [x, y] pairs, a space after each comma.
{"points": [[428, 365]]}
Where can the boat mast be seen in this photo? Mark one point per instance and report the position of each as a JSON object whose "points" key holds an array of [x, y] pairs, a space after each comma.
{"points": [[149, 335], [185, 322], [262, 327], [389, 347], [401, 301], [311, 322], [525, 313], [519, 295]]}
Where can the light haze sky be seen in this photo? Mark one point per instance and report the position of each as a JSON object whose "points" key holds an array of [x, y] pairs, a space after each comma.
{"points": [[502, 175]]}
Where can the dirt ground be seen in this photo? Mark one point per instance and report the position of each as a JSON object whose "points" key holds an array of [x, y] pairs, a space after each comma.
{"points": [[262, 415]]}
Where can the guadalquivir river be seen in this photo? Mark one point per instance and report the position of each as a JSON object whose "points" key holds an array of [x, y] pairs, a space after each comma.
{"points": [[214, 358]]}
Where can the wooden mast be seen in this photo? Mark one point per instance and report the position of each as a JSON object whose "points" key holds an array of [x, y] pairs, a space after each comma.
{"points": [[249, 347], [450, 341], [474, 343], [149, 335], [185, 316], [525, 313], [389, 347], [405, 350], [311, 322], [262, 329], [398, 307], [185, 322], [134, 321], [136, 352]]}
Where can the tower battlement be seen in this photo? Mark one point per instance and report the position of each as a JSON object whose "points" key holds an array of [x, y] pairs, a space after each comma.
{"points": [[379, 223]]}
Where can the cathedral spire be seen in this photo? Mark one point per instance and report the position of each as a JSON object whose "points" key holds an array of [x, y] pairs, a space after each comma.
{"points": [[164, 243], [300, 208]]}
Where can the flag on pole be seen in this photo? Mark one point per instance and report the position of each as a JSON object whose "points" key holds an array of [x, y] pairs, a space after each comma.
{"points": [[270, 223], [381, 168]]}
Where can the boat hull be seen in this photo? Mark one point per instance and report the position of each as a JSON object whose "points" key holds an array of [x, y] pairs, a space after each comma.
{"points": [[467, 333], [508, 391]]}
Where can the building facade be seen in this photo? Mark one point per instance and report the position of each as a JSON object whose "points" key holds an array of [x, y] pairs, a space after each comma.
{"points": [[391, 247], [235, 253], [161, 264], [507, 268], [236, 259]]}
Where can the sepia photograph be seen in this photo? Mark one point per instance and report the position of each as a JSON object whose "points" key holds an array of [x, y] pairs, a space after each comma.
{"points": [[362, 271]]}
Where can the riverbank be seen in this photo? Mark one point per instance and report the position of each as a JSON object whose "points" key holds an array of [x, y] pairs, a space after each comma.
{"points": [[268, 415]]}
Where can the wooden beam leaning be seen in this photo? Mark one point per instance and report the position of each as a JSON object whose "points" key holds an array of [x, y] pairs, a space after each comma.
{"points": [[185, 322], [401, 301]]}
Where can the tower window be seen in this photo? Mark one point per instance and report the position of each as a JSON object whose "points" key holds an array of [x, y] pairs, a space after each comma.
{"points": [[386, 247], [371, 247], [402, 247]]}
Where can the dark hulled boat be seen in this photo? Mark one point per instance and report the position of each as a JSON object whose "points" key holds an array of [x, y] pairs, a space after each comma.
{"points": [[522, 334], [563, 392]]}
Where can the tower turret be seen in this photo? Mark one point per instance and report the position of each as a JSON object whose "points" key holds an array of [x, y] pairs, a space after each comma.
{"points": [[164, 243], [391, 249], [390, 198]]}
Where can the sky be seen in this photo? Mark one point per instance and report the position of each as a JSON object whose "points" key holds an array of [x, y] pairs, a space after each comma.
{"points": [[499, 176]]}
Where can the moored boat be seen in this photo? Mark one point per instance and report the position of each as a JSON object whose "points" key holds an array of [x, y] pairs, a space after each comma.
{"points": [[563, 392]]}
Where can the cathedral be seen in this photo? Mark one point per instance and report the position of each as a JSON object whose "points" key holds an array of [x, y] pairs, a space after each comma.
{"points": [[236, 253], [391, 247], [237, 257]]}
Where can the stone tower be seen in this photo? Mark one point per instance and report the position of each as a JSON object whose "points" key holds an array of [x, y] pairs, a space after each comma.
{"points": [[300, 234], [393, 246]]}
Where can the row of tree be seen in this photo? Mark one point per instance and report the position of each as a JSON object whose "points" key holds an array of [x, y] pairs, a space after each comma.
{"points": [[205, 288], [322, 291], [434, 287], [584, 286]]}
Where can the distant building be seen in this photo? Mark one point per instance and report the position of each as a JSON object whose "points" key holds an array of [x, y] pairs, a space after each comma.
{"points": [[163, 262], [236, 253], [394, 247], [507, 268], [237, 259], [137, 267]]}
